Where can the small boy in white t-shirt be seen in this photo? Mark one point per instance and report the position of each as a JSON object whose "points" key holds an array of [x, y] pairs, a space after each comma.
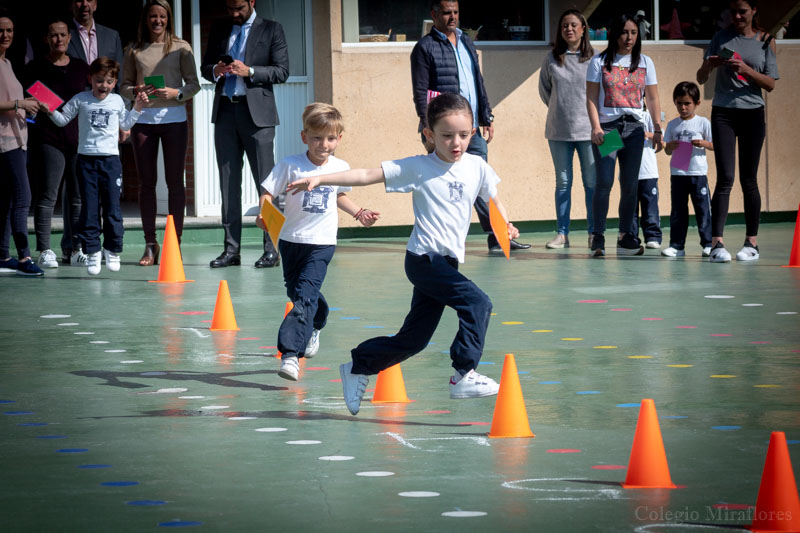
{"points": [[691, 181], [649, 219], [308, 237]]}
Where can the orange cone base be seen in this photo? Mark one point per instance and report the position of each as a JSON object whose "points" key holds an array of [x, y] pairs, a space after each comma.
{"points": [[176, 281], [171, 268], [224, 318], [778, 504], [647, 466], [389, 386], [510, 419], [665, 486]]}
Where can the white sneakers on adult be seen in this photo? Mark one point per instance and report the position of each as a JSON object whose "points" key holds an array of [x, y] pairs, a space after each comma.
{"points": [[290, 368], [749, 252], [558, 242], [673, 252], [112, 260], [353, 386], [93, 263], [48, 259], [653, 245], [706, 251], [313, 345], [472, 385], [719, 254]]}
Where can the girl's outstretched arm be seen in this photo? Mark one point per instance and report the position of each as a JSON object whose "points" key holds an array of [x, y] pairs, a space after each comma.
{"points": [[513, 232], [366, 217], [349, 178]]}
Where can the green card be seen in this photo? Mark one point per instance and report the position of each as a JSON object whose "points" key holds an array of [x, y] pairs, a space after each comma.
{"points": [[157, 82], [611, 143]]}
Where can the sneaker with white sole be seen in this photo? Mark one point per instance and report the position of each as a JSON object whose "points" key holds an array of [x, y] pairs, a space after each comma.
{"points": [[313, 345], [673, 252], [629, 245], [78, 258], [749, 252], [472, 385], [29, 268], [290, 368], [706, 251], [719, 254], [653, 245], [112, 260], [597, 244], [93, 263], [353, 386], [48, 259], [9, 265], [558, 242]]}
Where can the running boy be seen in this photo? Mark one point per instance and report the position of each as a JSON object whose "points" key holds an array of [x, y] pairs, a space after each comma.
{"points": [[444, 185], [692, 181], [101, 114], [650, 221], [308, 237]]}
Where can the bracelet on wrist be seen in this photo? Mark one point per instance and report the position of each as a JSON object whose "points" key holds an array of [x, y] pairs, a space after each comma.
{"points": [[360, 212]]}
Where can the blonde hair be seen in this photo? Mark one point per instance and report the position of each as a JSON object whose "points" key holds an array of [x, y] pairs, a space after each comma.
{"points": [[322, 117]]}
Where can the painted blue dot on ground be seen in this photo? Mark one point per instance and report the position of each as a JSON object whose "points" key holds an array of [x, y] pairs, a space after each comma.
{"points": [[146, 503], [523, 372], [588, 392], [119, 483], [628, 404], [8, 401], [51, 437], [793, 442], [93, 466], [349, 318], [180, 523], [18, 413], [33, 424], [72, 450], [445, 351], [428, 343], [486, 363], [334, 309], [726, 428], [549, 382], [674, 416]]}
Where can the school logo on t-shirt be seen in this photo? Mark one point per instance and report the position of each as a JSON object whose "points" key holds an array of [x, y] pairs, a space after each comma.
{"points": [[316, 201], [456, 191], [99, 118], [684, 135], [623, 88]]}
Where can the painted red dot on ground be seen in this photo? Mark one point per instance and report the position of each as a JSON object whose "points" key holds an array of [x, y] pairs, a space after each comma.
{"points": [[686, 327], [437, 412], [206, 321], [732, 506], [592, 301], [267, 347], [317, 368], [622, 309], [652, 318], [249, 339], [335, 380], [721, 335], [474, 423], [609, 467], [564, 450], [760, 342], [192, 312]]}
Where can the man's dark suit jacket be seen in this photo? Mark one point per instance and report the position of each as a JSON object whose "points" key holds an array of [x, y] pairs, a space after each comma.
{"points": [[108, 44], [266, 51]]}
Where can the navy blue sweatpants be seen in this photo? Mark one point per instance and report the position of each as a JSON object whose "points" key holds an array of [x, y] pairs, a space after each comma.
{"points": [[437, 283], [649, 220], [15, 202], [696, 188], [304, 269], [100, 181]]}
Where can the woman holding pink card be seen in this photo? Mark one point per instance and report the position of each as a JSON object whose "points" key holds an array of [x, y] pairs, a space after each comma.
{"points": [[745, 65], [162, 66]]}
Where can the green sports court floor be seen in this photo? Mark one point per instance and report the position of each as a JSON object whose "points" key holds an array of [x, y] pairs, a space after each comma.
{"points": [[120, 410]]}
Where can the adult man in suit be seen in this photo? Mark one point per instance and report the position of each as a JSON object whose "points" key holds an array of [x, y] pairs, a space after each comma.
{"points": [[445, 61], [90, 40], [246, 55]]}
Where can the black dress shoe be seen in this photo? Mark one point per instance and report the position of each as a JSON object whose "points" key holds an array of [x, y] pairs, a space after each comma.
{"points": [[513, 245], [268, 260], [226, 259], [518, 245]]}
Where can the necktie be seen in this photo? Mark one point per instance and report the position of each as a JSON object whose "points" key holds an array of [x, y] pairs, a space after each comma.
{"points": [[236, 50]]}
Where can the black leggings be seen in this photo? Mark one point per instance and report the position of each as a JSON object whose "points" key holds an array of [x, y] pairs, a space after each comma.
{"points": [[726, 125]]}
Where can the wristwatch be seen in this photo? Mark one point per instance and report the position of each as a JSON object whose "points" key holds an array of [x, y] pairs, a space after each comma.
{"points": [[180, 96], [252, 72]]}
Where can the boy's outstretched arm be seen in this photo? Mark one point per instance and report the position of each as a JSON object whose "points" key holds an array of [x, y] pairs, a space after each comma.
{"points": [[513, 232], [349, 178], [367, 217], [266, 197]]}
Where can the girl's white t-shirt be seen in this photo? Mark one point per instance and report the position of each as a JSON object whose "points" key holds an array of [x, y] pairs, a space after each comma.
{"points": [[442, 195], [311, 216], [621, 91]]}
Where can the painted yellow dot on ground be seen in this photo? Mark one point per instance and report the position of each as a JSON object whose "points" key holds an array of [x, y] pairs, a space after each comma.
{"points": [[722, 376], [512, 323], [640, 357], [542, 331], [493, 314], [605, 347], [768, 386], [680, 366], [572, 339]]}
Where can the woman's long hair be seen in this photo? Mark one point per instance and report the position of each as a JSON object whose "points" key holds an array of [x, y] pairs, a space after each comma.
{"points": [[560, 47], [143, 36], [617, 27]]}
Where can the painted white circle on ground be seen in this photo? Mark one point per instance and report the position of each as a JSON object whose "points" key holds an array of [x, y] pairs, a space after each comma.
{"points": [[191, 397], [719, 296], [752, 305], [242, 417], [418, 494], [374, 474], [786, 313], [83, 332], [115, 351], [336, 458], [303, 442], [131, 361], [169, 391], [214, 407], [98, 342], [69, 324], [270, 430], [464, 514], [55, 316]]}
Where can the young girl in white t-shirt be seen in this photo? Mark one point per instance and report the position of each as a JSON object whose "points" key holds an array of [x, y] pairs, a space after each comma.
{"points": [[444, 185]]}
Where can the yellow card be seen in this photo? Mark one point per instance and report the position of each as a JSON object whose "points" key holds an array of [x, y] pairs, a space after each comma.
{"points": [[274, 220], [500, 229]]}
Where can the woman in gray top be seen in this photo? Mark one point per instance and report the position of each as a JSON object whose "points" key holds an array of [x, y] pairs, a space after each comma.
{"points": [[745, 65], [562, 86]]}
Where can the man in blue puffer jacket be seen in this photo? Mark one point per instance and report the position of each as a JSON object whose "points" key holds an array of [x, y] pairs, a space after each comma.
{"points": [[445, 61]]}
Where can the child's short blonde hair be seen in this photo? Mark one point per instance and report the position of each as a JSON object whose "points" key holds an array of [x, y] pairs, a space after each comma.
{"points": [[322, 117]]}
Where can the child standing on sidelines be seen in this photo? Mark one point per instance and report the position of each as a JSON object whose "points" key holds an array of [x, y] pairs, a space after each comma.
{"points": [[692, 181], [101, 114], [444, 184], [308, 237], [649, 219]]}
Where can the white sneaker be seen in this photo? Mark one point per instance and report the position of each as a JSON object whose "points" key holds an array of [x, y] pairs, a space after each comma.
{"points": [[78, 258], [290, 368], [719, 254], [673, 252], [747, 253], [112, 260], [353, 386], [706, 251], [313, 345], [93, 263], [653, 245], [472, 385], [558, 242], [48, 259]]}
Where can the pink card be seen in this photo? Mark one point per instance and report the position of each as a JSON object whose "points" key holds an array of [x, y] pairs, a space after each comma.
{"points": [[682, 155], [737, 55], [432, 95], [40, 91]]}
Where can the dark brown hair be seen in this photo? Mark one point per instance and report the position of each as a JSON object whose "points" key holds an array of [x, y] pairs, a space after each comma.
{"points": [[446, 104], [687, 88], [560, 47]]}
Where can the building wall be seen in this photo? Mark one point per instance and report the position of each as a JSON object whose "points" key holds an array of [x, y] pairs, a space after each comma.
{"points": [[372, 88]]}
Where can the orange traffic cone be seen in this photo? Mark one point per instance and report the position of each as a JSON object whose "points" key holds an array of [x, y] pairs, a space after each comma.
{"points": [[389, 387], [794, 256], [171, 268], [778, 505], [286, 311], [223, 319], [510, 419], [647, 466]]}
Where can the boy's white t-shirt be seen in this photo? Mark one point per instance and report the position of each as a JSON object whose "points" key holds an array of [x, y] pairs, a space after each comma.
{"points": [[696, 127], [99, 121], [442, 195], [649, 168], [621, 92], [311, 216]]}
